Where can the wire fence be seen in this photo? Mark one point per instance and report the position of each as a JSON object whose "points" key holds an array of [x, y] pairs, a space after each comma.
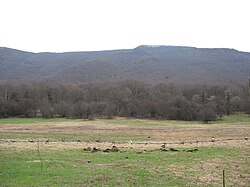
{"points": [[127, 142]]}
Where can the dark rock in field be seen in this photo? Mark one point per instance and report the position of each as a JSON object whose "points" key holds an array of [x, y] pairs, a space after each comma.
{"points": [[243, 176], [89, 161], [31, 141], [47, 141], [191, 150], [149, 137], [126, 157], [174, 150], [114, 149], [78, 140], [87, 149], [246, 138], [106, 150], [163, 149], [182, 142], [94, 149]]}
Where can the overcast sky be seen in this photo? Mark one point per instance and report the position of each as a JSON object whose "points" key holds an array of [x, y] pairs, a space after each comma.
{"points": [[86, 25]]}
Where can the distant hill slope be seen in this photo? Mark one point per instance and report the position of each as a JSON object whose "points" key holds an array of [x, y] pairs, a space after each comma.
{"points": [[144, 63]]}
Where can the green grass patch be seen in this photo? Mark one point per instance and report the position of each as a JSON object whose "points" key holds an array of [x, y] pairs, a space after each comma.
{"points": [[235, 118], [32, 120], [239, 118], [75, 167]]}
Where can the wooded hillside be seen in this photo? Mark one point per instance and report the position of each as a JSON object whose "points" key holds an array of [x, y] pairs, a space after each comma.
{"points": [[150, 64]]}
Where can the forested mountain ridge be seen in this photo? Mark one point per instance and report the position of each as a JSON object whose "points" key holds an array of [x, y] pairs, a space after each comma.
{"points": [[152, 64]]}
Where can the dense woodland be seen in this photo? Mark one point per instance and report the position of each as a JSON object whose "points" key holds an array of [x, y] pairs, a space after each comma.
{"points": [[127, 98]]}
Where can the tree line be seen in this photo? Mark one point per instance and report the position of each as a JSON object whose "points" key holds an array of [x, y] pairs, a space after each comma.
{"points": [[127, 98]]}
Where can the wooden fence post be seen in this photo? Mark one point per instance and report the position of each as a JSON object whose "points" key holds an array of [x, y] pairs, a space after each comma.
{"points": [[223, 178]]}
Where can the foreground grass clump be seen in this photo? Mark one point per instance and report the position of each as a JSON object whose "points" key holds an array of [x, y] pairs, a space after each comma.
{"points": [[129, 167]]}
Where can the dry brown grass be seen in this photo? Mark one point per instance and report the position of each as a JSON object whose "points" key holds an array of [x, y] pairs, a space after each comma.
{"points": [[177, 135]]}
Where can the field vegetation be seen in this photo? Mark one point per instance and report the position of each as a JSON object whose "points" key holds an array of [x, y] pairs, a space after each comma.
{"points": [[124, 152]]}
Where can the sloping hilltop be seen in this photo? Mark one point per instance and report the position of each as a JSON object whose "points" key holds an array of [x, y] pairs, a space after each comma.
{"points": [[151, 64]]}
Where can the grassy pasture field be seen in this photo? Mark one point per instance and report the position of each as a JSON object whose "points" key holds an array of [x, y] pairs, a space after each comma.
{"points": [[52, 152]]}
